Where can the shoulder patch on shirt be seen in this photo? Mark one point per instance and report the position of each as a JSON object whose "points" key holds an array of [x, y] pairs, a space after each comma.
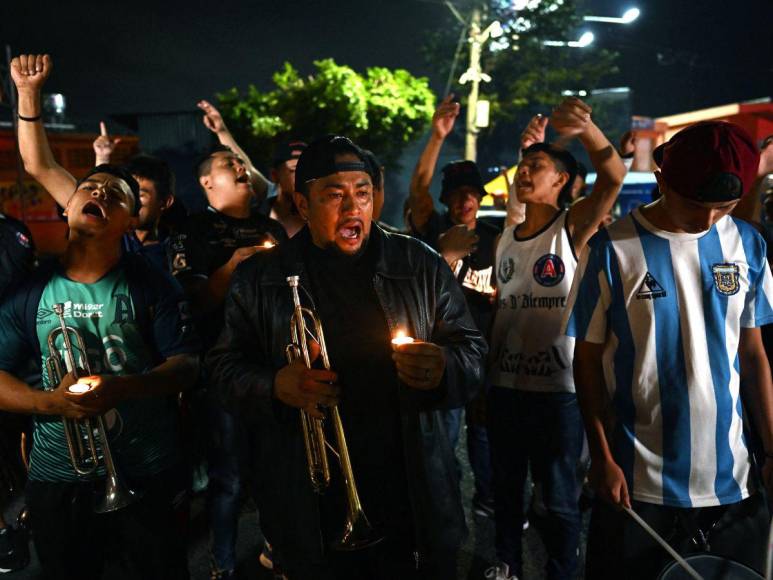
{"points": [[549, 270], [650, 288], [726, 278]]}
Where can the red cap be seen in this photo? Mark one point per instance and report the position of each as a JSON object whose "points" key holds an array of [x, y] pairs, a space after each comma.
{"points": [[710, 161]]}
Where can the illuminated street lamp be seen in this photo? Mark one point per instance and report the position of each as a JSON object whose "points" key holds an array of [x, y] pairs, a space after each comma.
{"points": [[628, 16], [585, 40]]}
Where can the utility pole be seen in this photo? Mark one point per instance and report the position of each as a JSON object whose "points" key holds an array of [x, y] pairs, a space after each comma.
{"points": [[471, 135]]}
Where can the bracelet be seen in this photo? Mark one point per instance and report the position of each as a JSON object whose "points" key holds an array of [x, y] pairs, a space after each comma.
{"points": [[28, 119]]}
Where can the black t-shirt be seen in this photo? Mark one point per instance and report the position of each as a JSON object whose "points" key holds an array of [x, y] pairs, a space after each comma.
{"points": [[17, 254], [474, 272], [207, 241], [358, 342]]}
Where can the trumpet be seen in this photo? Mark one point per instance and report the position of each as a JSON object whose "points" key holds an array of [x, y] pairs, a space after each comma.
{"points": [[357, 532], [80, 435]]}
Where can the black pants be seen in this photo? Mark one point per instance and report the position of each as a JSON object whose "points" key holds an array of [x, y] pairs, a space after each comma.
{"points": [[619, 548], [72, 541]]}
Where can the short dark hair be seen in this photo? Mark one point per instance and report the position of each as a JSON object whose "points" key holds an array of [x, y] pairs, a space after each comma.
{"points": [[203, 163], [564, 161], [120, 172], [156, 170]]}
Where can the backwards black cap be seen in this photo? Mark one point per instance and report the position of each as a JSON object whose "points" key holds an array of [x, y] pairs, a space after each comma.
{"points": [[460, 174], [120, 172], [319, 160]]}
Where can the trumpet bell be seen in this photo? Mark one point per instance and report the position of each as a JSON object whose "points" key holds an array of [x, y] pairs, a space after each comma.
{"points": [[357, 534], [117, 496]]}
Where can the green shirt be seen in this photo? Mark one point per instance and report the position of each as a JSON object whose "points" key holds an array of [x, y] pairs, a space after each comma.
{"points": [[142, 432]]}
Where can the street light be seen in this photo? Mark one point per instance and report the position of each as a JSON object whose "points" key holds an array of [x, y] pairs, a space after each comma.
{"points": [[586, 39], [628, 16]]}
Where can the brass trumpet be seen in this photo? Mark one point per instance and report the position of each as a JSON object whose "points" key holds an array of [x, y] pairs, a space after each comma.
{"points": [[357, 532], [80, 435]]}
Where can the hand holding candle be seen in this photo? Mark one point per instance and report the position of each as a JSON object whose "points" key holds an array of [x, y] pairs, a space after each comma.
{"points": [[420, 365], [400, 339]]}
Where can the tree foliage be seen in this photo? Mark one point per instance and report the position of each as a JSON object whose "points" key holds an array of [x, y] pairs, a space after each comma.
{"points": [[383, 109], [527, 76]]}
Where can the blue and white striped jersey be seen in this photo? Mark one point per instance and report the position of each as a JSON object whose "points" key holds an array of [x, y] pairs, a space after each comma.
{"points": [[669, 309]]}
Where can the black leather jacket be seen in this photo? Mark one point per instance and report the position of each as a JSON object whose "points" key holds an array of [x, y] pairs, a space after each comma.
{"points": [[417, 292]]}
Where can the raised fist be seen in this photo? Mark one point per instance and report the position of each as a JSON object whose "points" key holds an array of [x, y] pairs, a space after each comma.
{"points": [[445, 116], [571, 118], [30, 71]]}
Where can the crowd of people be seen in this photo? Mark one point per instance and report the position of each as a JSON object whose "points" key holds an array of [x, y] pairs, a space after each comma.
{"points": [[623, 361]]}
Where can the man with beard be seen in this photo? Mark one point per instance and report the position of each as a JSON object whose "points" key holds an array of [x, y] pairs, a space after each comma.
{"points": [[365, 285]]}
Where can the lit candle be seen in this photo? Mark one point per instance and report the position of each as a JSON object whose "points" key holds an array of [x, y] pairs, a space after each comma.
{"points": [[268, 244], [400, 339], [79, 388]]}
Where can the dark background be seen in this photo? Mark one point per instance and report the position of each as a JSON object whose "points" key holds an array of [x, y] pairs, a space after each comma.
{"points": [[128, 57], [114, 60]]}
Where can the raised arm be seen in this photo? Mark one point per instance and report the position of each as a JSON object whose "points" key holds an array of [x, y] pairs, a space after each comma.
{"points": [[420, 200], [29, 73], [572, 118], [213, 120]]}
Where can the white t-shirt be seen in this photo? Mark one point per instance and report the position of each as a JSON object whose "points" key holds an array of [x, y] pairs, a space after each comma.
{"points": [[534, 274], [669, 309]]}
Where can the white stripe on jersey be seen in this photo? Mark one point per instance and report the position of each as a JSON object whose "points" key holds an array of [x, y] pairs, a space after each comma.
{"points": [[649, 428], [733, 252]]}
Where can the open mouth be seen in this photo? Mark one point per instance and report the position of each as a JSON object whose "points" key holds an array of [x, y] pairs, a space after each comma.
{"points": [[351, 230], [244, 178], [92, 208]]}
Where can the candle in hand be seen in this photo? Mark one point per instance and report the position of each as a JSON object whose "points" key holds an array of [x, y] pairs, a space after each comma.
{"points": [[268, 244], [79, 388], [400, 339]]}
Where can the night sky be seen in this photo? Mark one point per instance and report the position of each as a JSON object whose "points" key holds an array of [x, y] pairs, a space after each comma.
{"points": [[123, 57]]}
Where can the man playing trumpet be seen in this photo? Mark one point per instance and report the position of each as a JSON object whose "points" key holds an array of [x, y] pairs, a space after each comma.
{"points": [[138, 342], [365, 285]]}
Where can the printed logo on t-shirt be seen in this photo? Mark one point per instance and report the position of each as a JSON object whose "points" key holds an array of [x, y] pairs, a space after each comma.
{"points": [[74, 310], [476, 280], [726, 278], [548, 270], [506, 270], [650, 288]]}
